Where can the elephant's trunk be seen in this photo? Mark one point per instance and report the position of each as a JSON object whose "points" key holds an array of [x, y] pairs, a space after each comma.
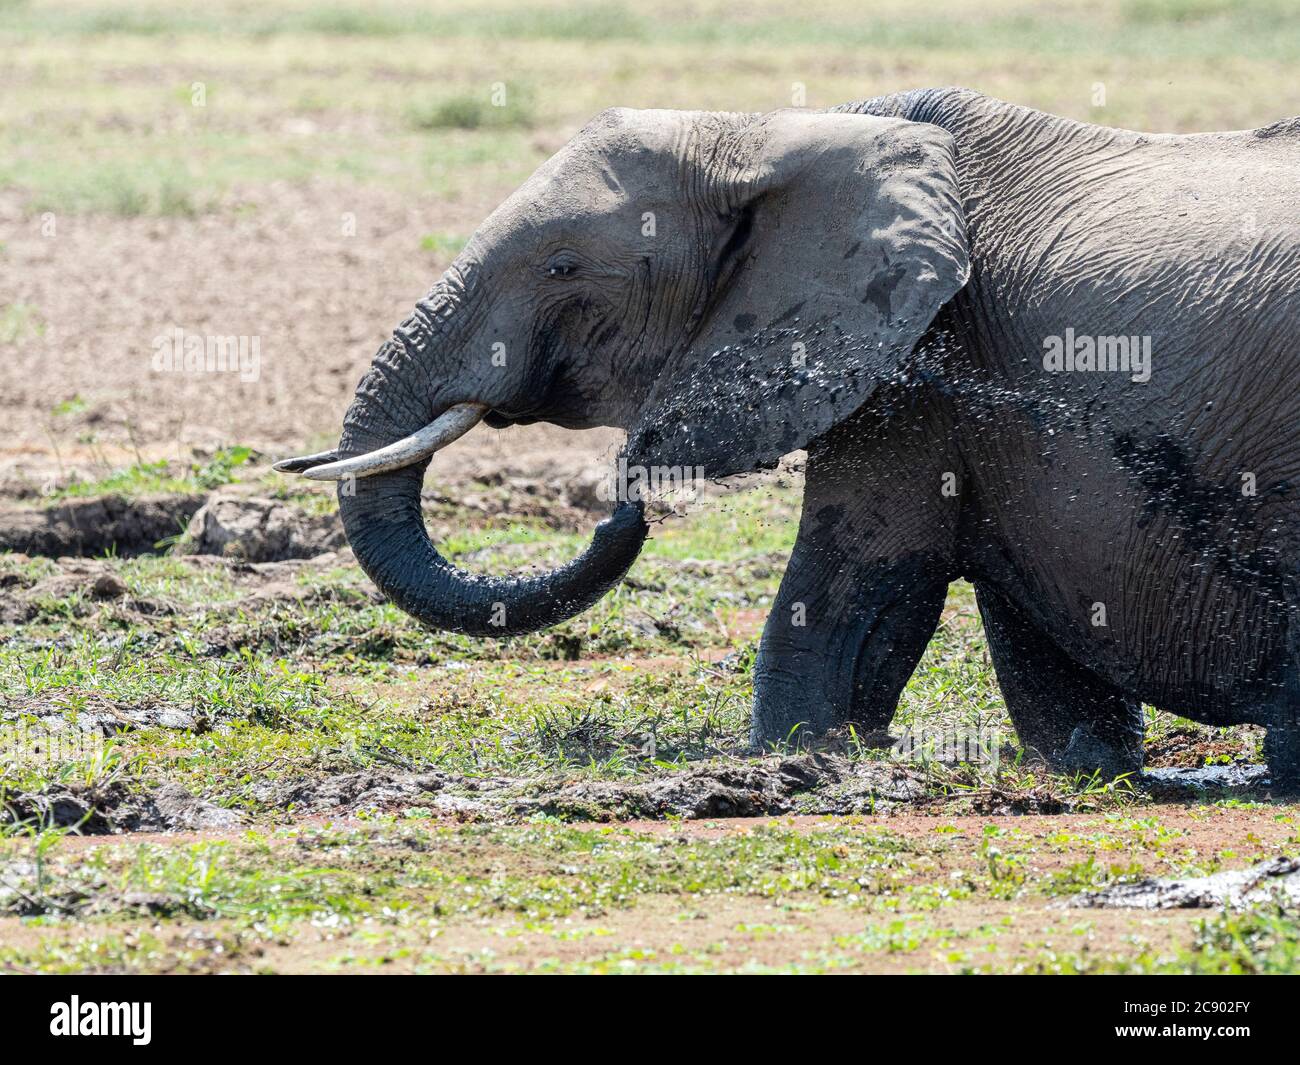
{"points": [[382, 519], [385, 528]]}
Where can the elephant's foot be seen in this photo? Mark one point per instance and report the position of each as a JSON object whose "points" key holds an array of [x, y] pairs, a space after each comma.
{"points": [[1064, 714], [1088, 753], [1282, 752], [837, 651]]}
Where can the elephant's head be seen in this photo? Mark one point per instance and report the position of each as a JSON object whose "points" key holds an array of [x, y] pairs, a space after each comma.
{"points": [[725, 287]]}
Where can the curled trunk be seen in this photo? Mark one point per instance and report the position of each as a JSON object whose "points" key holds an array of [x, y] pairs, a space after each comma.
{"points": [[382, 519], [386, 530]]}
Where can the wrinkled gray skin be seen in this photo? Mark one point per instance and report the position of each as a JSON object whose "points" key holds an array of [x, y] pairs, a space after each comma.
{"points": [[876, 284]]}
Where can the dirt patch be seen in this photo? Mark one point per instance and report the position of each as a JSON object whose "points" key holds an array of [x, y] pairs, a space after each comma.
{"points": [[941, 898], [1206, 829], [721, 788], [90, 711], [108, 524], [85, 584], [368, 791], [1192, 749], [250, 528], [80, 587], [724, 787], [807, 783]]}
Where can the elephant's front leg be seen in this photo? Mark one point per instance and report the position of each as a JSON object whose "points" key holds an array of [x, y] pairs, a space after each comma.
{"points": [[864, 587]]}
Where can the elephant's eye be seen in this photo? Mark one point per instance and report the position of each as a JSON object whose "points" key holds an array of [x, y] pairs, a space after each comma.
{"points": [[561, 267]]}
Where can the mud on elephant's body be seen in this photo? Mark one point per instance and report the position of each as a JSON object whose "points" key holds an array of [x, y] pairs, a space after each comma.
{"points": [[1054, 358]]}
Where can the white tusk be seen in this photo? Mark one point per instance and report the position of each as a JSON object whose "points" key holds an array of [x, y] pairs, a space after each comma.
{"points": [[452, 424]]}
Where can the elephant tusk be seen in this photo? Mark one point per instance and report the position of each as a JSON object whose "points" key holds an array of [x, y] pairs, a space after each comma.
{"points": [[306, 462], [452, 424]]}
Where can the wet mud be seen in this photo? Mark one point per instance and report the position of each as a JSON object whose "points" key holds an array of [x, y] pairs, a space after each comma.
{"points": [[113, 808], [806, 784], [1276, 880]]}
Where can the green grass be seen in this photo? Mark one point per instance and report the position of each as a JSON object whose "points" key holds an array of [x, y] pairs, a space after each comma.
{"points": [[307, 672], [1262, 941], [319, 675], [314, 677], [401, 893], [150, 478], [408, 104], [209, 880], [118, 187], [18, 321], [442, 244], [1150, 27], [307, 678], [502, 108]]}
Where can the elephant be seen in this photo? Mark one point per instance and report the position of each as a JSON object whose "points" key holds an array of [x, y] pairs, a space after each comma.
{"points": [[1056, 359]]}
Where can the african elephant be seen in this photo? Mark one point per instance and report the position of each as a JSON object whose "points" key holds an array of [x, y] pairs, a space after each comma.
{"points": [[1056, 359]]}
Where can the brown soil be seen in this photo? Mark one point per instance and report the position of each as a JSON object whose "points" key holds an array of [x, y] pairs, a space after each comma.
{"points": [[744, 931], [726, 931], [1187, 749], [748, 933], [1206, 830]]}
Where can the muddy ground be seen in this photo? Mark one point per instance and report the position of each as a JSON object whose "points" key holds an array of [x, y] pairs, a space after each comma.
{"points": [[217, 765]]}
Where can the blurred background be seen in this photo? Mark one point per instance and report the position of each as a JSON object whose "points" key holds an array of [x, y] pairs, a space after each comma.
{"points": [[301, 172]]}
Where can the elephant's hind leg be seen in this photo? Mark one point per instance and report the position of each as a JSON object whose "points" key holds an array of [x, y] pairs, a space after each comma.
{"points": [[1282, 741], [1064, 713], [1282, 752]]}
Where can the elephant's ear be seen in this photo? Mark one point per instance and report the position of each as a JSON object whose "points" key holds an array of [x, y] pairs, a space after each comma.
{"points": [[844, 235]]}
